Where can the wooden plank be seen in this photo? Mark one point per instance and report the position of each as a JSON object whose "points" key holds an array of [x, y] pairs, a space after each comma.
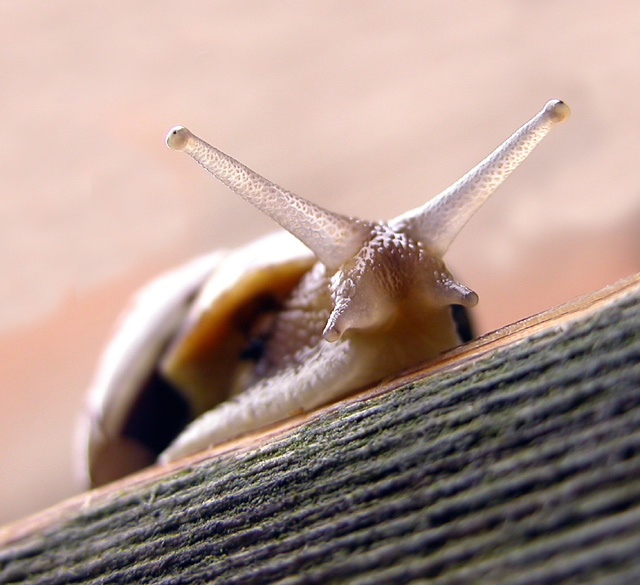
{"points": [[515, 458]]}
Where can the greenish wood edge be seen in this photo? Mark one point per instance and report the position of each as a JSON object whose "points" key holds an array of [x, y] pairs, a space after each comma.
{"points": [[515, 459]]}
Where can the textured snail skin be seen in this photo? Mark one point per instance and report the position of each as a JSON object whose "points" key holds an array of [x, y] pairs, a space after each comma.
{"points": [[378, 299]]}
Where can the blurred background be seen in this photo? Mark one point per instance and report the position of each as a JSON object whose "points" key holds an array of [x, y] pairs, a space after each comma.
{"points": [[367, 107]]}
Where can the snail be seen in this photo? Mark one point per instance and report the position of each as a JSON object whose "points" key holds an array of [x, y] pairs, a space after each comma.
{"points": [[235, 341]]}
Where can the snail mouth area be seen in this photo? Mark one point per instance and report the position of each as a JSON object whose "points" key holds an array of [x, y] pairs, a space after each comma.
{"points": [[416, 329], [405, 341]]}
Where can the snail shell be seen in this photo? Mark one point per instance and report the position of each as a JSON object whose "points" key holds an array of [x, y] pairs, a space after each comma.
{"points": [[233, 341]]}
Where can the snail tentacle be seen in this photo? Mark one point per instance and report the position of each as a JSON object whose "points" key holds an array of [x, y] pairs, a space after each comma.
{"points": [[332, 237], [440, 220]]}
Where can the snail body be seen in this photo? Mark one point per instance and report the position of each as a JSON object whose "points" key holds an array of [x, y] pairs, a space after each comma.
{"points": [[235, 341]]}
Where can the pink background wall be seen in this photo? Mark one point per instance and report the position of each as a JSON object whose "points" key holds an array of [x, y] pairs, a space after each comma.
{"points": [[368, 108]]}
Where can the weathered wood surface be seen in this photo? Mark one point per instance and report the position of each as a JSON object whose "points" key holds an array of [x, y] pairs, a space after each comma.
{"points": [[515, 460]]}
